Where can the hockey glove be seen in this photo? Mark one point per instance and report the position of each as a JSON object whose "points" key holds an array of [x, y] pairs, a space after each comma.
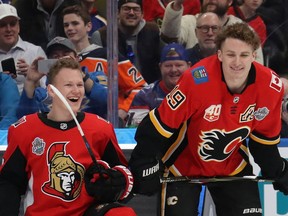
{"points": [[108, 185], [281, 183], [146, 174]]}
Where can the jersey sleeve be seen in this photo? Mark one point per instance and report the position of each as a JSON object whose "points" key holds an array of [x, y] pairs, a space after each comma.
{"points": [[13, 177]]}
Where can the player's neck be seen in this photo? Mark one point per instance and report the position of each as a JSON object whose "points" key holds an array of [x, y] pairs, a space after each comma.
{"points": [[59, 117]]}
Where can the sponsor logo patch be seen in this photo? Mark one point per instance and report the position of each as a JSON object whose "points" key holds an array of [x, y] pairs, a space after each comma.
{"points": [[199, 75]]}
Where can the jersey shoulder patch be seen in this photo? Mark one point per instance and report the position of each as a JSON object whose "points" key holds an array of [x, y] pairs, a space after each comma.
{"points": [[199, 75]]}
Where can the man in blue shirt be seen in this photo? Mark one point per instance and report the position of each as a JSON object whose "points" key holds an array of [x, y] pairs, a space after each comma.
{"points": [[9, 99]]}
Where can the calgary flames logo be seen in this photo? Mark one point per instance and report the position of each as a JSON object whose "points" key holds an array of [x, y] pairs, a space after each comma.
{"points": [[218, 145]]}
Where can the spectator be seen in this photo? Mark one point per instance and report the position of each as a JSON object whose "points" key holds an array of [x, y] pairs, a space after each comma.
{"points": [[207, 27], [35, 99], [173, 62], [96, 20], [275, 15], [41, 20], [138, 40], [12, 45], [247, 12], [9, 99], [154, 10], [200, 130], [77, 24], [51, 167], [176, 27]]}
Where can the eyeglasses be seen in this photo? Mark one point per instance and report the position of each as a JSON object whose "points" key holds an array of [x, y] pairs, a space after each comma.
{"points": [[11, 23], [127, 9], [206, 28]]}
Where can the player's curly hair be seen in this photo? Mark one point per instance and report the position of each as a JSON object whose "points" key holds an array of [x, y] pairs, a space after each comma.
{"points": [[240, 31]]}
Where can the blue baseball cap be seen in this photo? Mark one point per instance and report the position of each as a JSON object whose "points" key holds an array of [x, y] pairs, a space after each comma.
{"points": [[173, 51]]}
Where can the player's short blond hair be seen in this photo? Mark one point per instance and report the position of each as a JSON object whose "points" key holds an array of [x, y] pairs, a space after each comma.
{"points": [[60, 64]]}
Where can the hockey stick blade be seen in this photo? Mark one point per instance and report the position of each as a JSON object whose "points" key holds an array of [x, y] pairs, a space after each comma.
{"points": [[213, 179]]}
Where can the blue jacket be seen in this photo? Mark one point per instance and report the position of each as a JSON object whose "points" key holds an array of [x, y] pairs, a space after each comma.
{"points": [[9, 100], [94, 102]]}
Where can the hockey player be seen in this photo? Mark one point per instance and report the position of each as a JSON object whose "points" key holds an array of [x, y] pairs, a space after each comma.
{"points": [[48, 163], [200, 130]]}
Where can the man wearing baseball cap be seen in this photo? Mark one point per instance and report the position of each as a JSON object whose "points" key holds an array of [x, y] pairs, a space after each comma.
{"points": [[173, 62], [59, 47], [12, 46]]}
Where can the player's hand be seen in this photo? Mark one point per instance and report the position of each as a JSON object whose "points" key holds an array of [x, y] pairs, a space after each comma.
{"points": [[108, 185], [281, 183], [146, 174]]}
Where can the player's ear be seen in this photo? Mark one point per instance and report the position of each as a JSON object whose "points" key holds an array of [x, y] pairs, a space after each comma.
{"points": [[219, 54], [50, 91], [254, 55]]}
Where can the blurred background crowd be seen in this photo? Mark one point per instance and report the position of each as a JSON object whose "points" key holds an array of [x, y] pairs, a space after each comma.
{"points": [[51, 29]]}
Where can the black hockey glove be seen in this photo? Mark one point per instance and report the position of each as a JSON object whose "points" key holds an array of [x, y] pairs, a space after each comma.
{"points": [[281, 183], [108, 185], [146, 174]]}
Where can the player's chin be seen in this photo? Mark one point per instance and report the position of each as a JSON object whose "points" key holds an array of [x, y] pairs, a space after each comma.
{"points": [[75, 107]]}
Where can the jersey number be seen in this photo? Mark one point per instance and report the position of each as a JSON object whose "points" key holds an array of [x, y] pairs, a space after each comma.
{"points": [[135, 75], [175, 98]]}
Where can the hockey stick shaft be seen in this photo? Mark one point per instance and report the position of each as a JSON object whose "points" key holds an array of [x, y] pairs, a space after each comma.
{"points": [[61, 97], [213, 179]]}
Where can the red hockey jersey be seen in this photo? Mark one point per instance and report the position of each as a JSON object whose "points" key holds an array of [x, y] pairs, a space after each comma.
{"points": [[47, 160], [201, 127]]}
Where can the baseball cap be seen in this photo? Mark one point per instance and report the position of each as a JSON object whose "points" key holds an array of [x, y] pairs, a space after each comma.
{"points": [[169, 51], [8, 10], [60, 41], [121, 2]]}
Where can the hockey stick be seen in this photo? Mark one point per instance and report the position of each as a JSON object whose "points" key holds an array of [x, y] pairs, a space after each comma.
{"points": [[213, 179], [61, 97]]}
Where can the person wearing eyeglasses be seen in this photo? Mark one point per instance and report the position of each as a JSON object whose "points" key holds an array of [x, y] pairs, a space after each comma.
{"points": [[12, 45], [175, 26], [207, 28], [138, 40]]}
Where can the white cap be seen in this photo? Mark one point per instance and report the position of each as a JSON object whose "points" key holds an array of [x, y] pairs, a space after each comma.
{"points": [[8, 10]]}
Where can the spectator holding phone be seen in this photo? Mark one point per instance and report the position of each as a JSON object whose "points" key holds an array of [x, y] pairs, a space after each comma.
{"points": [[36, 99], [12, 46], [9, 99]]}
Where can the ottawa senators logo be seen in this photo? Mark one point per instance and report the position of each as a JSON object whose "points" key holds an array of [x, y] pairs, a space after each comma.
{"points": [[65, 174]]}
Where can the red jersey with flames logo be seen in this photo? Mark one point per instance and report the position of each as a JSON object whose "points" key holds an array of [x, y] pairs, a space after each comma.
{"points": [[203, 127], [48, 160]]}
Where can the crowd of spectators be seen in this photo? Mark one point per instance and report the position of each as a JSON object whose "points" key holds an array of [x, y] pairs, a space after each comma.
{"points": [[144, 28]]}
